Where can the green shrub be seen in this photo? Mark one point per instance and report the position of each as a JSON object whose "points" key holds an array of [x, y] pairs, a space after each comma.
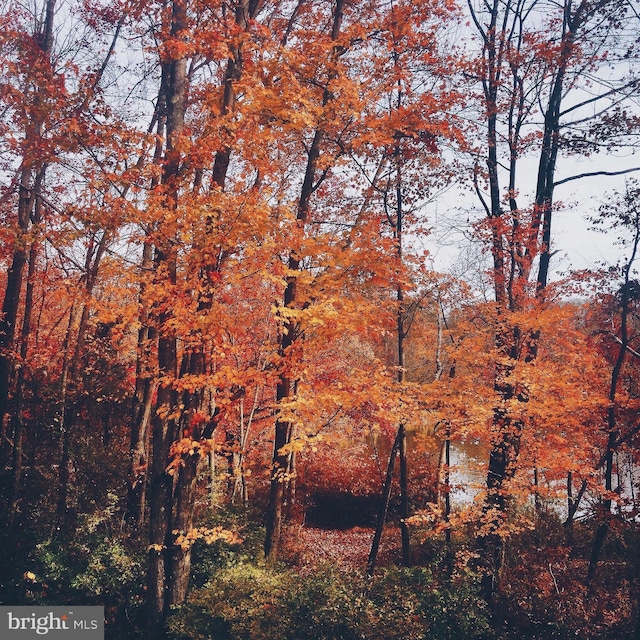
{"points": [[326, 605], [249, 602], [208, 559], [98, 565], [243, 601], [414, 604]]}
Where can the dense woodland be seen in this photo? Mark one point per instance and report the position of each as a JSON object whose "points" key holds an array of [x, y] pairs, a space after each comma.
{"points": [[237, 399]]}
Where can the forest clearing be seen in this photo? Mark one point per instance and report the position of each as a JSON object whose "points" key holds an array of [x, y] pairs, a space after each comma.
{"points": [[301, 334]]}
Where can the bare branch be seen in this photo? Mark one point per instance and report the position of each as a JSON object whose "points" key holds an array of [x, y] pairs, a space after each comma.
{"points": [[630, 85], [590, 174], [633, 352]]}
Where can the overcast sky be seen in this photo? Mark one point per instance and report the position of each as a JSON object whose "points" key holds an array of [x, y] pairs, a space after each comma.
{"points": [[578, 246]]}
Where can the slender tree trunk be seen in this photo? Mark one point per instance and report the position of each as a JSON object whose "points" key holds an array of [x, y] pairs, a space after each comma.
{"points": [[140, 459], [11, 301], [142, 408], [212, 480], [25, 336], [245, 427], [536, 489], [404, 497], [442, 322], [612, 420], [278, 477], [401, 333], [568, 523], [384, 506], [605, 509], [447, 500], [63, 422], [17, 454]]}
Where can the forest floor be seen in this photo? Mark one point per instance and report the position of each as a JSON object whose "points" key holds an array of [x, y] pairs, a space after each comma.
{"points": [[308, 547]]}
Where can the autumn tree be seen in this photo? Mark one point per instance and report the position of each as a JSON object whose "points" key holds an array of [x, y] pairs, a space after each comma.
{"points": [[525, 74], [414, 118], [208, 233], [623, 216], [64, 147], [31, 102], [291, 330], [320, 54]]}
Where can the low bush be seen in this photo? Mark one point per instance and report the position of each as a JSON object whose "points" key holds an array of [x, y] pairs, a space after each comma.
{"points": [[96, 565], [251, 602]]}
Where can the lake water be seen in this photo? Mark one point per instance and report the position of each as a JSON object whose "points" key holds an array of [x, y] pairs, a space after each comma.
{"points": [[468, 479]]}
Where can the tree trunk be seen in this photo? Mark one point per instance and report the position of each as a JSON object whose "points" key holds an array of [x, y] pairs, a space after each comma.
{"points": [[502, 467], [401, 333], [165, 424], [180, 567], [278, 477], [568, 523], [384, 506], [160, 495], [25, 336], [142, 407], [11, 301], [404, 497], [612, 420], [447, 501]]}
